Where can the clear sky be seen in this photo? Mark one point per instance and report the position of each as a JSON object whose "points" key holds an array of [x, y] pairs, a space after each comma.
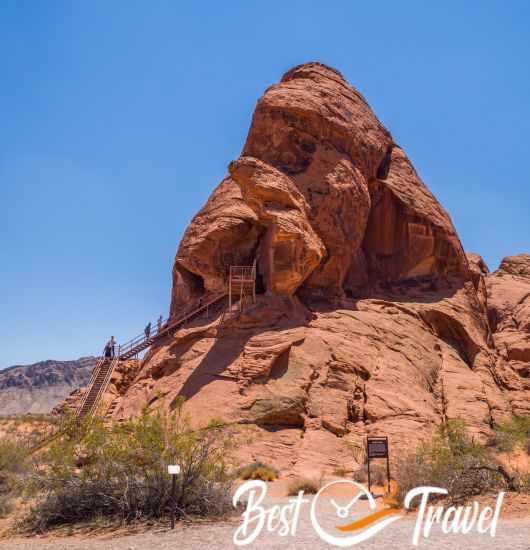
{"points": [[117, 119]]}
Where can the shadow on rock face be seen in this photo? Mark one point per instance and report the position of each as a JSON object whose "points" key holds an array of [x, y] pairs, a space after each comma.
{"points": [[215, 362], [277, 313]]}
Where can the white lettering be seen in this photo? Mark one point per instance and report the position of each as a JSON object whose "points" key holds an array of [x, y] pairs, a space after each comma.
{"points": [[467, 522], [284, 519], [488, 513], [424, 492], [254, 512], [434, 515]]}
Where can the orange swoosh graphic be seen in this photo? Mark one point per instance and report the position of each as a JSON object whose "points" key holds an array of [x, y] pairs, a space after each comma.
{"points": [[360, 523]]}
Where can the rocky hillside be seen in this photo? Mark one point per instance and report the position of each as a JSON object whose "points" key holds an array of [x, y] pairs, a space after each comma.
{"points": [[38, 388], [370, 318]]}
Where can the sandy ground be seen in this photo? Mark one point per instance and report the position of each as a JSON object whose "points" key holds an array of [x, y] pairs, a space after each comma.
{"points": [[31, 427], [513, 532]]}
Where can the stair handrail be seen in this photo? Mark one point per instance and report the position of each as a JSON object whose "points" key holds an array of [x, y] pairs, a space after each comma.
{"points": [[215, 298], [103, 387], [138, 343], [140, 337], [93, 376], [141, 341]]}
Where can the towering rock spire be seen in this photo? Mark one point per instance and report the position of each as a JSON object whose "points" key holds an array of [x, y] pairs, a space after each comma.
{"points": [[321, 197], [369, 320]]}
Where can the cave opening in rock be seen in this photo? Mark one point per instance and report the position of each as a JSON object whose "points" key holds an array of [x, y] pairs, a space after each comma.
{"points": [[260, 258], [384, 166], [260, 281], [198, 281]]}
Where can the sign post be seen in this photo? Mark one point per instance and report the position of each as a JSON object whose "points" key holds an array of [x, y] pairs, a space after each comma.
{"points": [[377, 447], [173, 470]]}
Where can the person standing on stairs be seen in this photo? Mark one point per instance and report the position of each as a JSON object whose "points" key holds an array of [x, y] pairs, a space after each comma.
{"points": [[109, 348], [159, 324], [147, 330]]}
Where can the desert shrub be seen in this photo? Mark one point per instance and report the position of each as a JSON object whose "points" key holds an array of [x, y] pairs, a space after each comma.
{"points": [[378, 475], [524, 483], [341, 471], [451, 460], [309, 486], [258, 470], [511, 434], [120, 472], [13, 462], [265, 474]]}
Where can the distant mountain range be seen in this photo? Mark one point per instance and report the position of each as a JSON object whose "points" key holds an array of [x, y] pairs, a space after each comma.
{"points": [[37, 388]]}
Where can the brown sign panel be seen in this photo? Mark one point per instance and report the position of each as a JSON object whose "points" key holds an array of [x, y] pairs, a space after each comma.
{"points": [[377, 447]]}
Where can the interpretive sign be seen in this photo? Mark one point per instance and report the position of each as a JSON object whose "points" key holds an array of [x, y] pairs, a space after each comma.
{"points": [[377, 447]]}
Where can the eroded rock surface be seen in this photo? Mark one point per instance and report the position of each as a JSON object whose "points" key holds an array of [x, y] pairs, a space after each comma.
{"points": [[322, 199], [370, 319], [508, 291]]}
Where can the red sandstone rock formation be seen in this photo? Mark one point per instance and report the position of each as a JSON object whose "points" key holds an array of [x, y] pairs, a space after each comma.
{"points": [[508, 292], [370, 319]]}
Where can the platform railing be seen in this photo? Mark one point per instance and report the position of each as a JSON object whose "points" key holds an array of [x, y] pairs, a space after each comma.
{"points": [[159, 328], [145, 339], [242, 273]]}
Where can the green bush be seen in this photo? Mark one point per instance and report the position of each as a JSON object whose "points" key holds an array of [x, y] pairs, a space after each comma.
{"points": [[341, 471], [524, 483], [13, 462], [258, 470], [308, 486], [378, 475], [512, 434], [451, 460], [120, 472]]}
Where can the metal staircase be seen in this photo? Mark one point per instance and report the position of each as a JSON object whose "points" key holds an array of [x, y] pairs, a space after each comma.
{"points": [[98, 384], [241, 288], [105, 366], [143, 341]]}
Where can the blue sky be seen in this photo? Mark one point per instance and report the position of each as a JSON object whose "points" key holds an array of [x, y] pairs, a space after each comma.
{"points": [[119, 118]]}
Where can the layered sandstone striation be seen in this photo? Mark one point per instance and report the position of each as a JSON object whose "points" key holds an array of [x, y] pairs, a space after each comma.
{"points": [[508, 291], [370, 319], [322, 199]]}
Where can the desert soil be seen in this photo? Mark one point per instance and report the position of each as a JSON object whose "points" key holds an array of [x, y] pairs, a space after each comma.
{"points": [[513, 533]]}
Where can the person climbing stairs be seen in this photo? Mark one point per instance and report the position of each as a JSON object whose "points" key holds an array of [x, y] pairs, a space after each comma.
{"points": [[102, 373], [241, 285]]}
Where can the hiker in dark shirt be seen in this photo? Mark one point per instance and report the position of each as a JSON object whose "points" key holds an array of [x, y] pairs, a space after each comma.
{"points": [[147, 330], [109, 348]]}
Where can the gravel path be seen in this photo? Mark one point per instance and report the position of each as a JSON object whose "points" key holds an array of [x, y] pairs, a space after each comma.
{"points": [[512, 534]]}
